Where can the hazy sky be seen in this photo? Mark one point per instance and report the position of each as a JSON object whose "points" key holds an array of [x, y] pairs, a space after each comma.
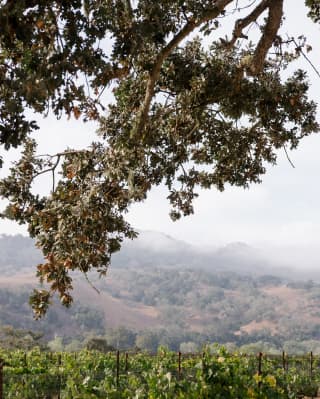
{"points": [[282, 211]]}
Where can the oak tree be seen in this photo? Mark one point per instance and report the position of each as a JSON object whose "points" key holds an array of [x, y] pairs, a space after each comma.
{"points": [[191, 108]]}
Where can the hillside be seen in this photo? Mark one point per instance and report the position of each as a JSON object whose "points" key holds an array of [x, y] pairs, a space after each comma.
{"points": [[157, 283]]}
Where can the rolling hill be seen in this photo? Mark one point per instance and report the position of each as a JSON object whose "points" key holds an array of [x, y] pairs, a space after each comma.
{"points": [[229, 294]]}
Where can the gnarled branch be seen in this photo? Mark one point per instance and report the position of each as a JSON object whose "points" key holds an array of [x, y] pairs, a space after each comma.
{"points": [[269, 33], [244, 22]]}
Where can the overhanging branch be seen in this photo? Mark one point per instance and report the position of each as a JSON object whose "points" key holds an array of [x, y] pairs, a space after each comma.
{"points": [[244, 22], [269, 33], [189, 27]]}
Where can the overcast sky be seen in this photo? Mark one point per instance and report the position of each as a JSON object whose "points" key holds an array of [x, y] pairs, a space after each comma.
{"points": [[283, 211]]}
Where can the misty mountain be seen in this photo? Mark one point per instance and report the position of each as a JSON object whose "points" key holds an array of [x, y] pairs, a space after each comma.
{"points": [[154, 249], [227, 294], [18, 252]]}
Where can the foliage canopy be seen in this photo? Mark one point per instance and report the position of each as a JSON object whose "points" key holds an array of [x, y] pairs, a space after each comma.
{"points": [[190, 109]]}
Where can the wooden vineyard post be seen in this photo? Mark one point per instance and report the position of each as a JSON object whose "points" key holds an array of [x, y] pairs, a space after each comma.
{"points": [[179, 365], [1, 379], [127, 362], [260, 367], [118, 368], [59, 364], [203, 362], [284, 361], [311, 365]]}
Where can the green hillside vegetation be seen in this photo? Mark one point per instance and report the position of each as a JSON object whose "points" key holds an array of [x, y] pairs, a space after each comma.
{"points": [[147, 305]]}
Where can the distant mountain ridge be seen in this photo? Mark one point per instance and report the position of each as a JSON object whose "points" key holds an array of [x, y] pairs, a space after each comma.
{"points": [[18, 251], [153, 249], [230, 294]]}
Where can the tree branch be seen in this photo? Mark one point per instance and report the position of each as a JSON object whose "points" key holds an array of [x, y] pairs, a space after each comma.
{"points": [[52, 169], [288, 158], [189, 27], [53, 172], [63, 153], [244, 22], [306, 58], [269, 33]]}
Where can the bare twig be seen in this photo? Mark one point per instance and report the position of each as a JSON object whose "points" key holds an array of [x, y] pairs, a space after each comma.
{"points": [[61, 154], [87, 84], [90, 283], [53, 172], [52, 169], [288, 158], [244, 22], [307, 58]]}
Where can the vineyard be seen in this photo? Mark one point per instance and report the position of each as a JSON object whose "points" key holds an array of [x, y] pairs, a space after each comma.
{"points": [[166, 375]]}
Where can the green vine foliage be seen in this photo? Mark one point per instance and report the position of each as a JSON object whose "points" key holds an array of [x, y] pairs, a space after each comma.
{"points": [[93, 375], [184, 114]]}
